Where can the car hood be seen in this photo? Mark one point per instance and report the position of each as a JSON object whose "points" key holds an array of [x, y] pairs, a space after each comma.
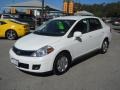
{"points": [[35, 42]]}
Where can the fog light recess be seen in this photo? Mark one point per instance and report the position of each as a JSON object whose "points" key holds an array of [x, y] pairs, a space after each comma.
{"points": [[36, 67]]}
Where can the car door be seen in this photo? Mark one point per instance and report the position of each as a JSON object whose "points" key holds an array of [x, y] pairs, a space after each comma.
{"points": [[79, 46], [95, 33], [1, 27], [2, 23]]}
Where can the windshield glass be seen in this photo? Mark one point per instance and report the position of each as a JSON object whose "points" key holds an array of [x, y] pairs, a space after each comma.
{"points": [[54, 28]]}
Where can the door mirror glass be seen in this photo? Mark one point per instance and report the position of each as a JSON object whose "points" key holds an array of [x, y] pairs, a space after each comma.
{"points": [[77, 34]]}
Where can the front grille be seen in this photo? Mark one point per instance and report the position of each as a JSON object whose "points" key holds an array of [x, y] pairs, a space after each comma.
{"points": [[23, 65], [22, 52]]}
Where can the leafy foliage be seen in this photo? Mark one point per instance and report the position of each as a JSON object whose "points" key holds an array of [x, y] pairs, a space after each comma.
{"points": [[101, 10]]}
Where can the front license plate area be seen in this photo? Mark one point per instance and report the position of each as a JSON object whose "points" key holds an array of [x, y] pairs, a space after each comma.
{"points": [[14, 61]]}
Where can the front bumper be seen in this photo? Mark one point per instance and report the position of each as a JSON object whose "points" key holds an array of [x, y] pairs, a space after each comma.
{"points": [[32, 64]]}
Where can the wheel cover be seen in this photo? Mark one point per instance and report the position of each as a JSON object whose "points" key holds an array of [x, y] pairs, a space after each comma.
{"points": [[11, 34], [62, 64], [105, 46]]}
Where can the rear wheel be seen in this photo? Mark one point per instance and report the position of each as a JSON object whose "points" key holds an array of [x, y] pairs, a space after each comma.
{"points": [[11, 35], [61, 64], [104, 47]]}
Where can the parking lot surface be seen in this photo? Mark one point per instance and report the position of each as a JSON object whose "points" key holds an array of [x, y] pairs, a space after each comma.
{"points": [[99, 72]]}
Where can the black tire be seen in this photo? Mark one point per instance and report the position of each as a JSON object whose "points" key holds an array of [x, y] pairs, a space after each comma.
{"points": [[11, 35], [61, 59], [104, 46]]}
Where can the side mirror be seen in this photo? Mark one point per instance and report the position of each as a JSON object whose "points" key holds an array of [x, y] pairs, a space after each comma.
{"points": [[77, 34]]}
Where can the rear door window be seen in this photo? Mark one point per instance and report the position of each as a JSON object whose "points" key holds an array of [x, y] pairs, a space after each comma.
{"points": [[94, 24]]}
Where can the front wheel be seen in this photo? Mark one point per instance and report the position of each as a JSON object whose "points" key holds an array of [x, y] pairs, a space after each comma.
{"points": [[104, 47], [61, 64], [11, 35]]}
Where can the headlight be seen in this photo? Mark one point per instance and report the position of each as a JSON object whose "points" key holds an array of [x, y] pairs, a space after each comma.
{"points": [[43, 51]]}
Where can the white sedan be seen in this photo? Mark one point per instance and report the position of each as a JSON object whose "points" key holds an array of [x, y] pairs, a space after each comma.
{"points": [[55, 44]]}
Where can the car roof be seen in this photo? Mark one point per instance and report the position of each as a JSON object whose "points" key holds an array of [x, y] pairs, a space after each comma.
{"points": [[75, 17]]}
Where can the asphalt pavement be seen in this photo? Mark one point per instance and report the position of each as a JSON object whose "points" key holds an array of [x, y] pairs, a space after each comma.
{"points": [[99, 72]]}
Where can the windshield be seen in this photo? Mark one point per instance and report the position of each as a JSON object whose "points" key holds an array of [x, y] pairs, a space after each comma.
{"points": [[54, 28]]}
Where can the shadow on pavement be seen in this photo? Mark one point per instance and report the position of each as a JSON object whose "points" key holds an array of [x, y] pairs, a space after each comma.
{"points": [[46, 74], [117, 30], [0, 78]]}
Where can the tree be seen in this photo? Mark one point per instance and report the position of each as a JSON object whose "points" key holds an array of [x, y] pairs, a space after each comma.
{"points": [[101, 10]]}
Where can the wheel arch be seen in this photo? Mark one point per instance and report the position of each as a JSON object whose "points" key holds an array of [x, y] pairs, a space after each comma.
{"points": [[55, 71], [65, 51], [10, 29], [107, 39]]}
